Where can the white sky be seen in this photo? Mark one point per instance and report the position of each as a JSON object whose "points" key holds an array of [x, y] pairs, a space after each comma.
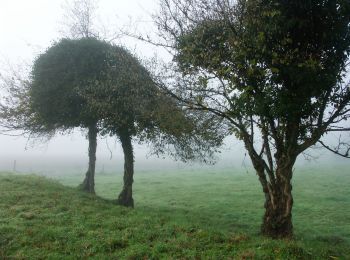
{"points": [[28, 27]]}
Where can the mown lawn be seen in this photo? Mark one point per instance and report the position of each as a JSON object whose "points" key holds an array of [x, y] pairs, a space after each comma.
{"points": [[184, 215]]}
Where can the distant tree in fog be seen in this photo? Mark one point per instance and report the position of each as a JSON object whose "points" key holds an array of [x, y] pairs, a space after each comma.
{"points": [[79, 19]]}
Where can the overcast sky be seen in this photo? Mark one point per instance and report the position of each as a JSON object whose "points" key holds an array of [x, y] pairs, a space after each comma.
{"points": [[30, 26], [27, 28]]}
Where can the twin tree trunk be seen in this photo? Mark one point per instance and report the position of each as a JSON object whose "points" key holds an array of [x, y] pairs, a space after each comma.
{"points": [[277, 220], [88, 184], [125, 197]]}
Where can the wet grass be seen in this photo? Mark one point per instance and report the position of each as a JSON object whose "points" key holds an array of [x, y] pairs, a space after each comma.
{"points": [[186, 215]]}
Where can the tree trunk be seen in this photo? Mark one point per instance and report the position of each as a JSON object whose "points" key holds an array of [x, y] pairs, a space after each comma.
{"points": [[277, 220], [125, 197], [88, 184]]}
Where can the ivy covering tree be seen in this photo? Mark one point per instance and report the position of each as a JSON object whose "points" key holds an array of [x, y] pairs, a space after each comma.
{"points": [[92, 84], [274, 70], [58, 80]]}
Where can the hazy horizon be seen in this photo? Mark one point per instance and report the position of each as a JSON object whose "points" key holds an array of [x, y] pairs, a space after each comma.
{"points": [[30, 27], [69, 154]]}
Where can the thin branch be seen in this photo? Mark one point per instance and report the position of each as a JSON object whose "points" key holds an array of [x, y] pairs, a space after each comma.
{"points": [[336, 151]]}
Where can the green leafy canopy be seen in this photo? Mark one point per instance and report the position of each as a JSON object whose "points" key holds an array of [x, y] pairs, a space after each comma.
{"points": [[76, 83]]}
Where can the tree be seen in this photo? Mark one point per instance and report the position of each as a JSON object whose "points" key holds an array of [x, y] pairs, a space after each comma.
{"points": [[92, 84], [40, 122], [135, 108], [79, 19], [274, 70], [51, 99], [58, 80]]}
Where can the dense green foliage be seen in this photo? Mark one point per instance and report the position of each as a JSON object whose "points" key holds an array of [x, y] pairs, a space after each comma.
{"points": [[286, 58], [61, 75], [175, 218], [65, 75], [79, 82], [84, 82]]}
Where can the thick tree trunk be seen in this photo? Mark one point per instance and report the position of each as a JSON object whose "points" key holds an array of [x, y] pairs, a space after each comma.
{"points": [[125, 197], [277, 220], [88, 184], [275, 175]]}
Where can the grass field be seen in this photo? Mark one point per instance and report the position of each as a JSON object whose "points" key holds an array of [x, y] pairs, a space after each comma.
{"points": [[183, 215]]}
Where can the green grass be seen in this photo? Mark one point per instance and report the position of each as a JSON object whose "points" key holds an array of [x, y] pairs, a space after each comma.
{"points": [[184, 215]]}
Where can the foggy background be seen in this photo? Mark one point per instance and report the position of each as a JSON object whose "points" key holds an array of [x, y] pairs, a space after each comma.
{"points": [[28, 28]]}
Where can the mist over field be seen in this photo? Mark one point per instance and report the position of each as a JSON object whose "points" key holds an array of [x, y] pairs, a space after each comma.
{"points": [[68, 154]]}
